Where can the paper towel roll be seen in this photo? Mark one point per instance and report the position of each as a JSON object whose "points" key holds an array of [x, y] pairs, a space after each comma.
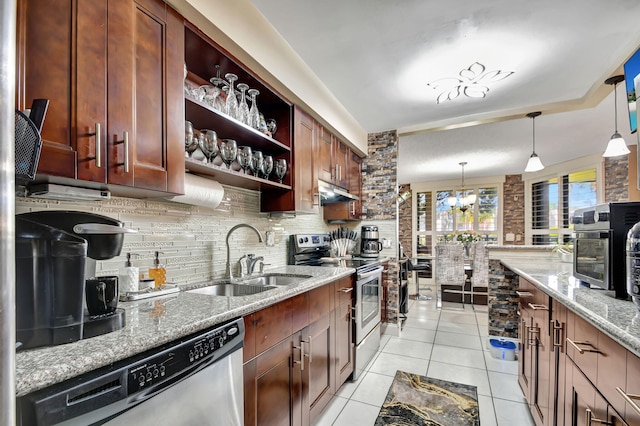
{"points": [[199, 191]]}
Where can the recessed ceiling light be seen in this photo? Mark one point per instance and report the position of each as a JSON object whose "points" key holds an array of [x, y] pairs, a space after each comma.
{"points": [[473, 82]]}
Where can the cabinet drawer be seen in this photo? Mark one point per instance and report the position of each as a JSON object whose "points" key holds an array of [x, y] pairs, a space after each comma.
{"points": [[344, 291], [272, 324], [611, 370], [582, 345]]}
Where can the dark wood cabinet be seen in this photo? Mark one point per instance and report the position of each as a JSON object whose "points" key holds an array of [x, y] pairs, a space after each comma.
{"points": [[112, 71], [345, 346], [291, 356], [331, 157]]}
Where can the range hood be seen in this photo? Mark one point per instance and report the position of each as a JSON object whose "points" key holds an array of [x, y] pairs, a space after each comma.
{"points": [[66, 193], [330, 193]]}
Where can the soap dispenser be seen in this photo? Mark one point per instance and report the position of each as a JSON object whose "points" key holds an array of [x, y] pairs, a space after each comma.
{"points": [[158, 272], [129, 276]]}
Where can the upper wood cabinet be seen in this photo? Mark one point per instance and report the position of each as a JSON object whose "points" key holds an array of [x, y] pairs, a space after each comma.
{"points": [[331, 157], [112, 71]]}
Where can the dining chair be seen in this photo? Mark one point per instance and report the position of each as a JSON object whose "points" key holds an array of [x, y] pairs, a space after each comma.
{"points": [[449, 270], [480, 270]]}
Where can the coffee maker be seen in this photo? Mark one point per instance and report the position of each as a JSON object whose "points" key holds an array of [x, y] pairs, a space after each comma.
{"points": [[56, 252], [370, 245]]}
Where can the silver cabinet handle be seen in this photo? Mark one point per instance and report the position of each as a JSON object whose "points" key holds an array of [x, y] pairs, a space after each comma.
{"points": [[309, 353], [101, 228], [353, 208], [524, 293], [346, 290], [316, 198], [98, 156], [591, 419], [126, 151], [301, 348], [537, 307], [629, 398], [582, 350], [557, 335], [535, 331]]}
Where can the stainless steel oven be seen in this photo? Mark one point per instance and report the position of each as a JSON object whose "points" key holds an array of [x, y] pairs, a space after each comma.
{"points": [[367, 313], [599, 244]]}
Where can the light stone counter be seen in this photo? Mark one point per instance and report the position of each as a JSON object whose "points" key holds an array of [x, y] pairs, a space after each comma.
{"points": [[153, 322], [619, 319]]}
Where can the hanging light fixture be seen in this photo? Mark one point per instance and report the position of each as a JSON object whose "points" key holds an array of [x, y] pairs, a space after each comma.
{"points": [[616, 146], [534, 164], [466, 200]]}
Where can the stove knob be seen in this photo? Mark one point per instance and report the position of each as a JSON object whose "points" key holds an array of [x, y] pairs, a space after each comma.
{"points": [[601, 216], [301, 240], [576, 220], [306, 239]]}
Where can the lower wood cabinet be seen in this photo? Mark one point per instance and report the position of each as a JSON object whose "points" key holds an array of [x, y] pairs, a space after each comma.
{"points": [[297, 353]]}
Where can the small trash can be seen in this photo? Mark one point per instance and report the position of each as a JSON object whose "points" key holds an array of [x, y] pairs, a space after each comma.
{"points": [[503, 349]]}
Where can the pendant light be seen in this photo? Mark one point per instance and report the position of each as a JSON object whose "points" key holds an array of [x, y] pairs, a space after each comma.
{"points": [[534, 164], [466, 200], [616, 146]]}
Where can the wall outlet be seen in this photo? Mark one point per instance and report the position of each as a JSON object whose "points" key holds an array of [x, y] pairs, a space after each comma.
{"points": [[510, 237], [519, 237], [271, 238]]}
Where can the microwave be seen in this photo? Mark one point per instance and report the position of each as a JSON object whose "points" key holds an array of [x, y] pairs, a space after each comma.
{"points": [[600, 234]]}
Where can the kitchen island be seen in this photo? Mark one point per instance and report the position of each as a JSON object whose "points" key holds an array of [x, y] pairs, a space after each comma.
{"points": [[153, 322]]}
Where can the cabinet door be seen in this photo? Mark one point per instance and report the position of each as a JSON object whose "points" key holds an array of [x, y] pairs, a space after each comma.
{"points": [[62, 56], [273, 387], [557, 397], [319, 377], [540, 359], [146, 57], [586, 401], [524, 361], [355, 184], [305, 186], [322, 154], [345, 347], [632, 411], [340, 156]]}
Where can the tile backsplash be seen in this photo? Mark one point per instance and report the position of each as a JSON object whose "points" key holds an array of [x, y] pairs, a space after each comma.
{"points": [[192, 238]]}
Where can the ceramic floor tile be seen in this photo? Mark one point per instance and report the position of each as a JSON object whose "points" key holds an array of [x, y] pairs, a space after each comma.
{"points": [[458, 340], [389, 363], [458, 328], [331, 411], [420, 322], [456, 373], [509, 413], [458, 356], [487, 412], [409, 348], [357, 413], [458, 317], [418, 334], [505, 386], [373, 389], [480, 308], [348, 387], [423, 311]]}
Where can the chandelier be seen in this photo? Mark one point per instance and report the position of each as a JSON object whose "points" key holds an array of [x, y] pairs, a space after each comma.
{"points": [[466, 200]]}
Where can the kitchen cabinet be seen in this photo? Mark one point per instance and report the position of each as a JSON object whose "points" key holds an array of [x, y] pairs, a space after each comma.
{"points": [[303, 196], [632, 389], [202, 55], [290, 358], [331, 157], [345, 346], [352, 210], [112, 70]]}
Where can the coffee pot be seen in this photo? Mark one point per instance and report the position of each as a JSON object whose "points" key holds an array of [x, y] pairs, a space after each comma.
{"points": [[370, 245]]}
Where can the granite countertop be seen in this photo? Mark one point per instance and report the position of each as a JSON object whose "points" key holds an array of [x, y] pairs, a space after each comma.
{"points": [[619, 319], [153, 322]]}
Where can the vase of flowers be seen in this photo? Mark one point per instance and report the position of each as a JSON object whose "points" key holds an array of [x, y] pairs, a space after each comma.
{"points": [[466, 238]]}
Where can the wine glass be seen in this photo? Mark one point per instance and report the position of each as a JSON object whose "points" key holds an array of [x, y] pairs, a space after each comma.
{"points": [[228, 151], [231, 106], [245, 157], [262, 124], [256, 163], [254, 114], [210, 144], [243, 108], [210, 94], [220, 100], [190, 141], [281, 168], [267, 166], [272, 126]]}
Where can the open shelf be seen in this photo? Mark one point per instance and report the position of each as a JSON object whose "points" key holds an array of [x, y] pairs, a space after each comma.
{"points": [[231, 177]]}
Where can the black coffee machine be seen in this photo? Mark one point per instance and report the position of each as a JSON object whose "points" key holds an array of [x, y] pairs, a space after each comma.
{"points": [[370, 245], [56, 252]]}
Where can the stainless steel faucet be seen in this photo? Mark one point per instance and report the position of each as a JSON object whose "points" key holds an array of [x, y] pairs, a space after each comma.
{"points": [[251, 262], [229, 274]]}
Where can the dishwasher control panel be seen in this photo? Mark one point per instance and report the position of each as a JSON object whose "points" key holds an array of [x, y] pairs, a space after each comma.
{"points": [[178, 358]]}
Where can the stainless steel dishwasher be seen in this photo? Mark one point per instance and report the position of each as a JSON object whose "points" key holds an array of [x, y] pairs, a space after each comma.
{"points": [[192, 381]]}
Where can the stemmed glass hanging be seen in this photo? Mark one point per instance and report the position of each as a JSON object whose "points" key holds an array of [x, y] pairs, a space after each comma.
{"points": [[228, 151], [254, 114], [243, 108], [281, 168], [231, 106], [220, 100], [245, 157]]}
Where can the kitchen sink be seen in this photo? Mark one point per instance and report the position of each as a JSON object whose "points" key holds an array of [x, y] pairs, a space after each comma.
{"points": [[231, 289], [274, 280]]}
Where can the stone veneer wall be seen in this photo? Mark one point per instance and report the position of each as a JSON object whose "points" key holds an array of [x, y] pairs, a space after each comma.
{"points": [[404, 222], [616, 182], [191, 238], [379, 183], [503, 301], [513, 212]]}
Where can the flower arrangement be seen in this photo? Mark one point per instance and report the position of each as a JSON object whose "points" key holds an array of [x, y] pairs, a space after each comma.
{"points": [[463, 237]]}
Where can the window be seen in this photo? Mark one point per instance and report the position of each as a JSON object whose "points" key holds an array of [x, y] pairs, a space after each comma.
{"points": [[435, 218], [555, 200]]}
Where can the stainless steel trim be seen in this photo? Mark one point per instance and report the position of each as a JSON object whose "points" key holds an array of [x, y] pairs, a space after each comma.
{"points": [[7, 204], [101, 228], [126, 151], [369, 274], [98, 147], [366, 350], [330, 193]]}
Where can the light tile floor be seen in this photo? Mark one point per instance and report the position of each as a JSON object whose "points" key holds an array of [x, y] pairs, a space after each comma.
{"points": [[448, 344]]}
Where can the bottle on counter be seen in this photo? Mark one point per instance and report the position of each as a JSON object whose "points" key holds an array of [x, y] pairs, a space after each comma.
{"points": [[158, 272], [129, 276]]}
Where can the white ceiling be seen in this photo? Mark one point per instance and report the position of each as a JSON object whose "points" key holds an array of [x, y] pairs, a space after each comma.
{"points": [[377, 56]]}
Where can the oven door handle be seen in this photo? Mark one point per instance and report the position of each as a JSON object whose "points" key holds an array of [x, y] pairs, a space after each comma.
{"points": [[376, 271]]}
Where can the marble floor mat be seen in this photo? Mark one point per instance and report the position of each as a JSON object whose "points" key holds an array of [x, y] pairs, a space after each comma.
{"points": [[420, 400]]}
